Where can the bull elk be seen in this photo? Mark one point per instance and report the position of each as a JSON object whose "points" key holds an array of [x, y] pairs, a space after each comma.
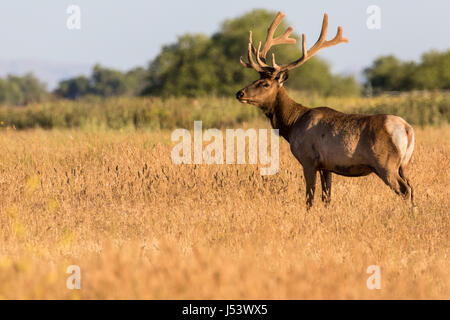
{"points": [[323, 139]]}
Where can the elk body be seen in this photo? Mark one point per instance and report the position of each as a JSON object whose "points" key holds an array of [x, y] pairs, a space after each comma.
{"points": [[322, 139]]}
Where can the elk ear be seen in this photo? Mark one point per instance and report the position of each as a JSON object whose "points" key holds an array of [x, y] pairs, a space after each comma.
{"points": [[282, 77]]}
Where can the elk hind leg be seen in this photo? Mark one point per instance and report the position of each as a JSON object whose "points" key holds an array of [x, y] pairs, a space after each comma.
{"points": [[401, 172], [395, 182]]}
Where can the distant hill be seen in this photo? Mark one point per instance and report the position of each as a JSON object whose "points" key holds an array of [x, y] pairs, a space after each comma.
{"points": [[49, 72]]}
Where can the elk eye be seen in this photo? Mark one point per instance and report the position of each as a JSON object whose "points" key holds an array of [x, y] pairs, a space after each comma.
{"points": [[266, 85]]}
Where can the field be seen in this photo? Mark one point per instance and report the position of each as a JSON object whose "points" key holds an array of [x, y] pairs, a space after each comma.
{"points": [[112, 202]]}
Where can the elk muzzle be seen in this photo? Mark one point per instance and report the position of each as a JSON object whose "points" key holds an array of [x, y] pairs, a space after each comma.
{"points": [[240, 94]]}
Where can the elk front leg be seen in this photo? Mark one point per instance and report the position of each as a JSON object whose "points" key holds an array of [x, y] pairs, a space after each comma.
{"points": [[325, 179], [310, 179]]}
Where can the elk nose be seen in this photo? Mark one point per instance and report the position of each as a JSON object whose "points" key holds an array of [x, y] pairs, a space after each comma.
{"points": [[240, 94]]}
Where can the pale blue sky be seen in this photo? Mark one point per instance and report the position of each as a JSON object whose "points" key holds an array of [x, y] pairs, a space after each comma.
{"points": [[124, 34]]}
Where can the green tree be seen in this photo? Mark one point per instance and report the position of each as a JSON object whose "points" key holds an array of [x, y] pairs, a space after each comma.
{"points": [[135, 81], [21, 90], [199, 65], [107, 82], [344, 86], [184, 68], [73, 88], [390, 73], [104, 82], [433, 71]]}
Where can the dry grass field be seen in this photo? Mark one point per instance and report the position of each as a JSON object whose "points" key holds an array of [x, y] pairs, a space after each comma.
{"points": [[141, 227]]}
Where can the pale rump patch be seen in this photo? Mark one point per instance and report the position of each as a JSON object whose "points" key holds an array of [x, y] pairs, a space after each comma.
{"points": [[409, 150], [402, 136]]}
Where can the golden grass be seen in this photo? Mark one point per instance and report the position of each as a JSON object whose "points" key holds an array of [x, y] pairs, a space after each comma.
{"points": [[140, 227]]}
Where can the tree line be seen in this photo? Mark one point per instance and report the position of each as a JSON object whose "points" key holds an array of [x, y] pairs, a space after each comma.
{"points": [[198, 65], [388, 73]]}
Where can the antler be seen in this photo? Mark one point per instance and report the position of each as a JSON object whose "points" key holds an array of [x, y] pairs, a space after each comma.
{"points": [[320, 44], [261, 65], [252, 51], [270, 41]]}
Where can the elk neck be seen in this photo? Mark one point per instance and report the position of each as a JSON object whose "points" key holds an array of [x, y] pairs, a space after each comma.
{"points": [[283, 112]]}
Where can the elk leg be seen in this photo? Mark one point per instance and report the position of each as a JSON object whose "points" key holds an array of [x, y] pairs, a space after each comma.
{"points": [[401, 172], [395, 182], [325, 179], [310, 178]]}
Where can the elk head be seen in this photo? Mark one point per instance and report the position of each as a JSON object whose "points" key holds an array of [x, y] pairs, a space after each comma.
{"points": [[264, 91]]}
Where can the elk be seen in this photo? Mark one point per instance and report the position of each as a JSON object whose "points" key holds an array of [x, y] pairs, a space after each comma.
{"points": [[323, 139]]}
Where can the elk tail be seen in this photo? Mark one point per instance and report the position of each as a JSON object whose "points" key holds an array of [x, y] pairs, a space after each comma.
{"points": [[410, 147]]}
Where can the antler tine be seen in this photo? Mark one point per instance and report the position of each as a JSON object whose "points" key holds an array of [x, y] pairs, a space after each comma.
{"points": [[320, 44], [337, 39], [274, 64], [251, 51], [277, 68], [259, 65], [323, 35], [283, 39], [271, 31], [259, 59]]}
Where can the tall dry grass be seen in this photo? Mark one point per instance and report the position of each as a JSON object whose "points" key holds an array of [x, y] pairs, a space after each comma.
{"points": [[141, 227]]}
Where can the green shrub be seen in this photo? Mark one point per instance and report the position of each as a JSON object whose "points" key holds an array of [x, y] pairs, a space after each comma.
{"points": [[430, 108]]}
